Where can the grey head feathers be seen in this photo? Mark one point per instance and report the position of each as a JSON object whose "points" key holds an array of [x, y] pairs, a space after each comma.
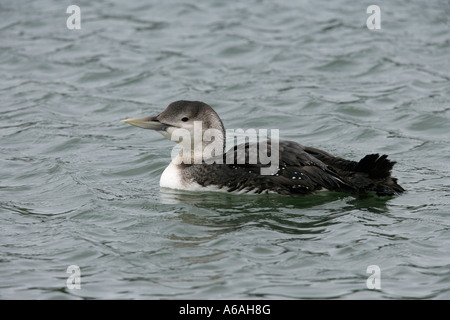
{"points": [[184, 111]]}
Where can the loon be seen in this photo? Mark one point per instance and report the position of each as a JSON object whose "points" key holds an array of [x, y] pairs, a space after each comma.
{"points": [[300, 170]]}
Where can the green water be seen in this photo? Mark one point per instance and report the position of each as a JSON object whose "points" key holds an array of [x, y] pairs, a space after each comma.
{"points": [[78, 187]]}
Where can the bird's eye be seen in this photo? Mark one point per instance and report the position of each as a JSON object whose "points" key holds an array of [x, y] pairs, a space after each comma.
{"points": [[185, 119]]}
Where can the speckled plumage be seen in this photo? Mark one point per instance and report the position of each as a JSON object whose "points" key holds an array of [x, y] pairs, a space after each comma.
{"points": [[302, 170]]}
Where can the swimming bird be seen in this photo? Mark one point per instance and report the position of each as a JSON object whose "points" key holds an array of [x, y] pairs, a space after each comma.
{"points": [[203, 163]]}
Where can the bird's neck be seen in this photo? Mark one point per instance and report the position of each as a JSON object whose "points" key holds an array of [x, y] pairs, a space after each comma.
{"points": [[197, 150]]}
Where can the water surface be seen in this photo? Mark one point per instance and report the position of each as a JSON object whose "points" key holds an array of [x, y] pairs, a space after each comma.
{"points": [[78, 187]]}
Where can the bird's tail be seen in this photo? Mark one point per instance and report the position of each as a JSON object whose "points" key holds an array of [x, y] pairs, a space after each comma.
{"points": [[378, 170]]}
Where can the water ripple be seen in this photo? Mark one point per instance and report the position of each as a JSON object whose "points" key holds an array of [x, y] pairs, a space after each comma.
{"points": [[79, 187]]}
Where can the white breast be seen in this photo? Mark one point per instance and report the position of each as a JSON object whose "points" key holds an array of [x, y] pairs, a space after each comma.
{"points": [[171, 178]]}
